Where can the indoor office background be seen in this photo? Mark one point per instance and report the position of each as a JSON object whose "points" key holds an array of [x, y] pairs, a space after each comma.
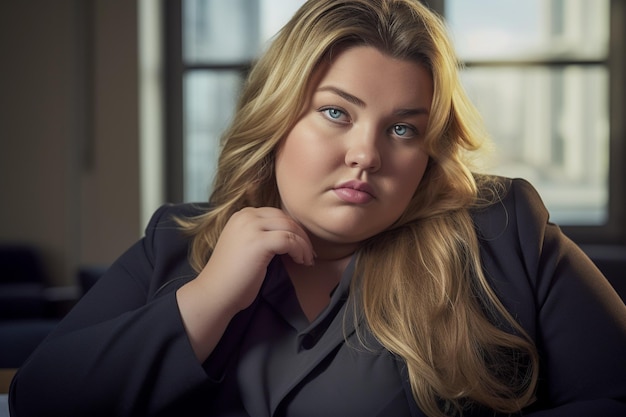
{"points": [[109, 108]]}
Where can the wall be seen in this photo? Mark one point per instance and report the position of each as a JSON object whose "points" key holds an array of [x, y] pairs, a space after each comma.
{"points": [[69, 130]]}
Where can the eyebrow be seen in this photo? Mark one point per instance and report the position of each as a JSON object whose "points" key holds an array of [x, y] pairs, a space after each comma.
{"points": [[345, 95], [358, 102]]}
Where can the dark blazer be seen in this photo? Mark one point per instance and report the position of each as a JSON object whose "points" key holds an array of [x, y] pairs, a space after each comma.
{"points": [[123, 349]]}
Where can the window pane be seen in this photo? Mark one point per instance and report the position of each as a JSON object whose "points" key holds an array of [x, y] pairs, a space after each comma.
{"points": [[549, 122], [220, 31], [233, 31], [550, 126], [529, 29], [209, 98], [274, 14], [217, 32]]}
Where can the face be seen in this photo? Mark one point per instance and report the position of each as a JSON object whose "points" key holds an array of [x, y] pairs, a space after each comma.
{"points": [[349, 167]]}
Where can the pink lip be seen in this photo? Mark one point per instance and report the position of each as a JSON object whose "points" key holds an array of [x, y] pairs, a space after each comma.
{"points": [[355, 192]]}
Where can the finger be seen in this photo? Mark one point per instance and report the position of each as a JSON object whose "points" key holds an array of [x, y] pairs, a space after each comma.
{"points": [[288, 242], [284, 223], [271, 219]]}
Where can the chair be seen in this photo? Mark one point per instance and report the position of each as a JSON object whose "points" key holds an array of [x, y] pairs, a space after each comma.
{"points": [[22, 283], [18, 339], [6, 375], [611, 260]]}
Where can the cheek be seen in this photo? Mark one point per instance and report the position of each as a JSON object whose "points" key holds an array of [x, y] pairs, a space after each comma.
{"points": [[303, 154], [420, 164], [410, 177], [293, 163], [412, 171]]}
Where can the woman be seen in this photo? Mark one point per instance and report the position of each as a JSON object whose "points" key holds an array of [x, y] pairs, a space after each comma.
{"points": [[348, 262]]}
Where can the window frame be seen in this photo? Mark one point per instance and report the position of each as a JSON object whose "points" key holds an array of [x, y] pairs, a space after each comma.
{"points": [[175, 70]]}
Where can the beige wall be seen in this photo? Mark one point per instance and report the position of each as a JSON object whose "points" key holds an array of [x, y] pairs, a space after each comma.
{"points": [[69, 130]]}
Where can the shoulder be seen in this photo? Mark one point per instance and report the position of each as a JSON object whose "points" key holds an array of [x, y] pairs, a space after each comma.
{"points": [[522, 252], [512, 224], [165, 221], [166, 243], [166, 216], [509, 206]]}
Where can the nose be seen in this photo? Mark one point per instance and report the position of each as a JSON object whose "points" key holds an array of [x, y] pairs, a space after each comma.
{"points": [[363, 151]]}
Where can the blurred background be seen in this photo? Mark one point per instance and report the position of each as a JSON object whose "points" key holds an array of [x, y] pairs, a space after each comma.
{"points": [[109, 108]]}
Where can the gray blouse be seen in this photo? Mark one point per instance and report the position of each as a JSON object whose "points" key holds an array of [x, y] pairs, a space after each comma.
{"points": [[288, 366]]}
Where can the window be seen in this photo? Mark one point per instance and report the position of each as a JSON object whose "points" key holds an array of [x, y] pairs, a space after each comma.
{"points": [[213, 43], [546, 98], [547, 76], [540, 73]]}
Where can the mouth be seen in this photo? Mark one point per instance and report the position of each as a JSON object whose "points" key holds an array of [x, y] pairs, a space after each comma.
{"points": [[355, 192]]}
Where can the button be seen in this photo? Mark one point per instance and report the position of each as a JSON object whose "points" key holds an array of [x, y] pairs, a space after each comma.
{"points": [[308, 341]]}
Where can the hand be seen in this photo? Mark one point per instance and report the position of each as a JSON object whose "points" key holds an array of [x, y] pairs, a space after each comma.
{"points": [[231, 279], [249, 241]]}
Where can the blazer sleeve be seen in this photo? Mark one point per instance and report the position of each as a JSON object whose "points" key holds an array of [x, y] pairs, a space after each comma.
{"points": [[122, 350], [577, 320]]}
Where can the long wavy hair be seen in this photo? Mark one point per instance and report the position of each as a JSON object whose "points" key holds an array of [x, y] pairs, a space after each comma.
{"points": [[420, 285]]}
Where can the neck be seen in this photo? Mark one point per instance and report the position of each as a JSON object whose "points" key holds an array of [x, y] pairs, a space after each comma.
{"points": [[330, 267], [332, 252], [314, 284]]}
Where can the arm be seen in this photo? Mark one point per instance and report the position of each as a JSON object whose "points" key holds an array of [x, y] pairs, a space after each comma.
{"points": [[123, 349], [580, 321], [135, 344]]}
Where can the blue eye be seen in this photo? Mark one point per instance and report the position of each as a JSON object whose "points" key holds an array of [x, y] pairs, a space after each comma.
{"points": [[403, 131], [334, 113], [400, 130]]}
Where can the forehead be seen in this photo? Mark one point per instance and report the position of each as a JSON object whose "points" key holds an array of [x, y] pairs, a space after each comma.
{"points": [[364, 70]]}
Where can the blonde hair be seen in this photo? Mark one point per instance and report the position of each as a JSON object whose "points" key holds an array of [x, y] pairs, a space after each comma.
{"points": [[420, 284]]}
